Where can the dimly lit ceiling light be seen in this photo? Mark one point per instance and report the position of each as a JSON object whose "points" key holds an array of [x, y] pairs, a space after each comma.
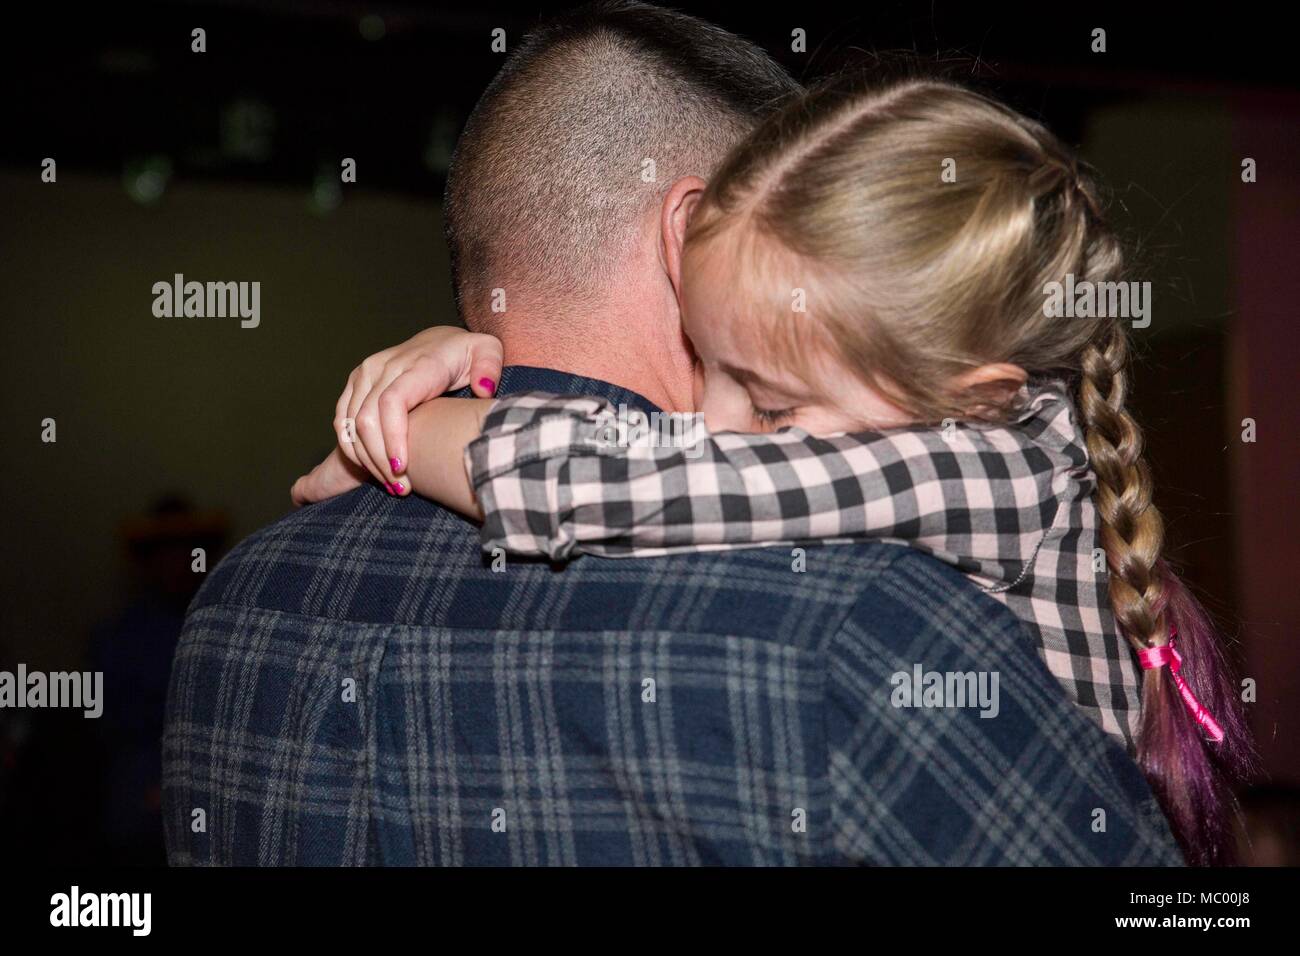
{"points": [[146, 179]]}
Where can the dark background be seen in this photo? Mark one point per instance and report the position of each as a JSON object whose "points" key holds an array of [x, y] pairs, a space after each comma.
{"points": [[224, 166]]}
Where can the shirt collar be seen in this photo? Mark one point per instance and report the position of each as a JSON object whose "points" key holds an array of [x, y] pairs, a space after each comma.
{"points": [[528, 378]]}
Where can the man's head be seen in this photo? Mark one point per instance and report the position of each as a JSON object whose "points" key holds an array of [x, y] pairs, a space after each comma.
{"points": [[557, 188]]}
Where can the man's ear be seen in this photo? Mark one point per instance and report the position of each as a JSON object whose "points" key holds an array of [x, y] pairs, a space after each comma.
{"points": [[991, 387], [674, 215]]}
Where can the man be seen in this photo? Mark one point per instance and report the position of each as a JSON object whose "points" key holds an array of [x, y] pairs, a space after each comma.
{"points": [[357, 684]]}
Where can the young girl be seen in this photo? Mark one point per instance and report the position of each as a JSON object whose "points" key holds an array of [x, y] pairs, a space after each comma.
{"points": [[868, 272]]}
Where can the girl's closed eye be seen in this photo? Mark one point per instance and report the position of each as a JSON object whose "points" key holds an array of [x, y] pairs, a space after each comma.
{"points": [[772, 417]]}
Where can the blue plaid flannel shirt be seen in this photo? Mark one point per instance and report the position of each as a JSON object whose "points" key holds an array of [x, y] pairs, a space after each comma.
{"points": [[356, 684]]}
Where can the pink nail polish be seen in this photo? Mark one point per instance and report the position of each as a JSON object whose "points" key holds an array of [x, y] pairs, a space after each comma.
{"points": [[396, 463], [397, 488], [388, 488], [487, 385]]}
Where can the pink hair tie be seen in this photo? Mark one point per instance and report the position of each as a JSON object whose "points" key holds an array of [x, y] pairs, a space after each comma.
{"points": [[1152, 657]]}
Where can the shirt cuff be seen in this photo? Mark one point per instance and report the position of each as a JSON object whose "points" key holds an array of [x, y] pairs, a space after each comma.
{"points": [[522, 429]]}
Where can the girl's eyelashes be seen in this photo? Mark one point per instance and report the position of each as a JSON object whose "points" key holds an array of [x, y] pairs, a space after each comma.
{"points": [[772, 416]]}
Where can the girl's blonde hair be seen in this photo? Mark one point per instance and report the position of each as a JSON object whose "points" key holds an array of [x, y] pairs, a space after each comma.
{"points": [[928, 222]]}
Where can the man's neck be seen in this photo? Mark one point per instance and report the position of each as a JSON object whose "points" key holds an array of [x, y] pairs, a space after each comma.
{"points": [[612, 350], [602, 368]]}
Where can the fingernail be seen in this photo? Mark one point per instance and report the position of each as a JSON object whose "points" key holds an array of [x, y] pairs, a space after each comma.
{"points": [[397, 488], [388, 488], [396, 463], [487, 385]]}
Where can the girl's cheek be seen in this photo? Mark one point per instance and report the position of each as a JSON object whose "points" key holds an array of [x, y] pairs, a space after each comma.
{"points": [[827, 420], [725, 407]]}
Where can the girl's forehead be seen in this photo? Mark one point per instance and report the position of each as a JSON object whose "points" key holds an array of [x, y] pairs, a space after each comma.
{"points": [[723, 318], [737, 288], [744, 328]]}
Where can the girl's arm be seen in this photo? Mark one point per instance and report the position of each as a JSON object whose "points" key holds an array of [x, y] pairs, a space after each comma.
{"points": [[439, 430], [372, 413], [564, 476], [438, 433]]}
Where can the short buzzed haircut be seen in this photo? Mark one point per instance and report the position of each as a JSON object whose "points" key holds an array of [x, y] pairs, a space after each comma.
{"points": [[589, 122]]}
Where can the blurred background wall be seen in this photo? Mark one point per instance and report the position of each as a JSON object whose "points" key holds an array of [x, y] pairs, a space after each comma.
{"points": [[145, 406], [224, 166]]}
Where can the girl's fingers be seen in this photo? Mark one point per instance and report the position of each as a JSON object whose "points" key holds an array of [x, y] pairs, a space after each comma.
{"points": [[370, 417], [408, 382], [484, 365], [371, 437], [361, 425], [333, 476], [364, 409], [360, 384], [344, 431], [425, 379], [367, 439]]}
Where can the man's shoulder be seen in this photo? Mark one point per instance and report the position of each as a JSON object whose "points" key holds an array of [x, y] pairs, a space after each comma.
{"points": [[939, 706], [348, 557], [367, 558]]}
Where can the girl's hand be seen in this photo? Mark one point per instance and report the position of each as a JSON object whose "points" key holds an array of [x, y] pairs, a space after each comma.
{"points": [[370, 418], [333, 476], [443, 429]]}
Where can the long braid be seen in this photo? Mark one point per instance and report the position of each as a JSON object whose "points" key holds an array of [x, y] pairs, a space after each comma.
{"points": [[1067, 231], [1188, 774], [1133, 531]]}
